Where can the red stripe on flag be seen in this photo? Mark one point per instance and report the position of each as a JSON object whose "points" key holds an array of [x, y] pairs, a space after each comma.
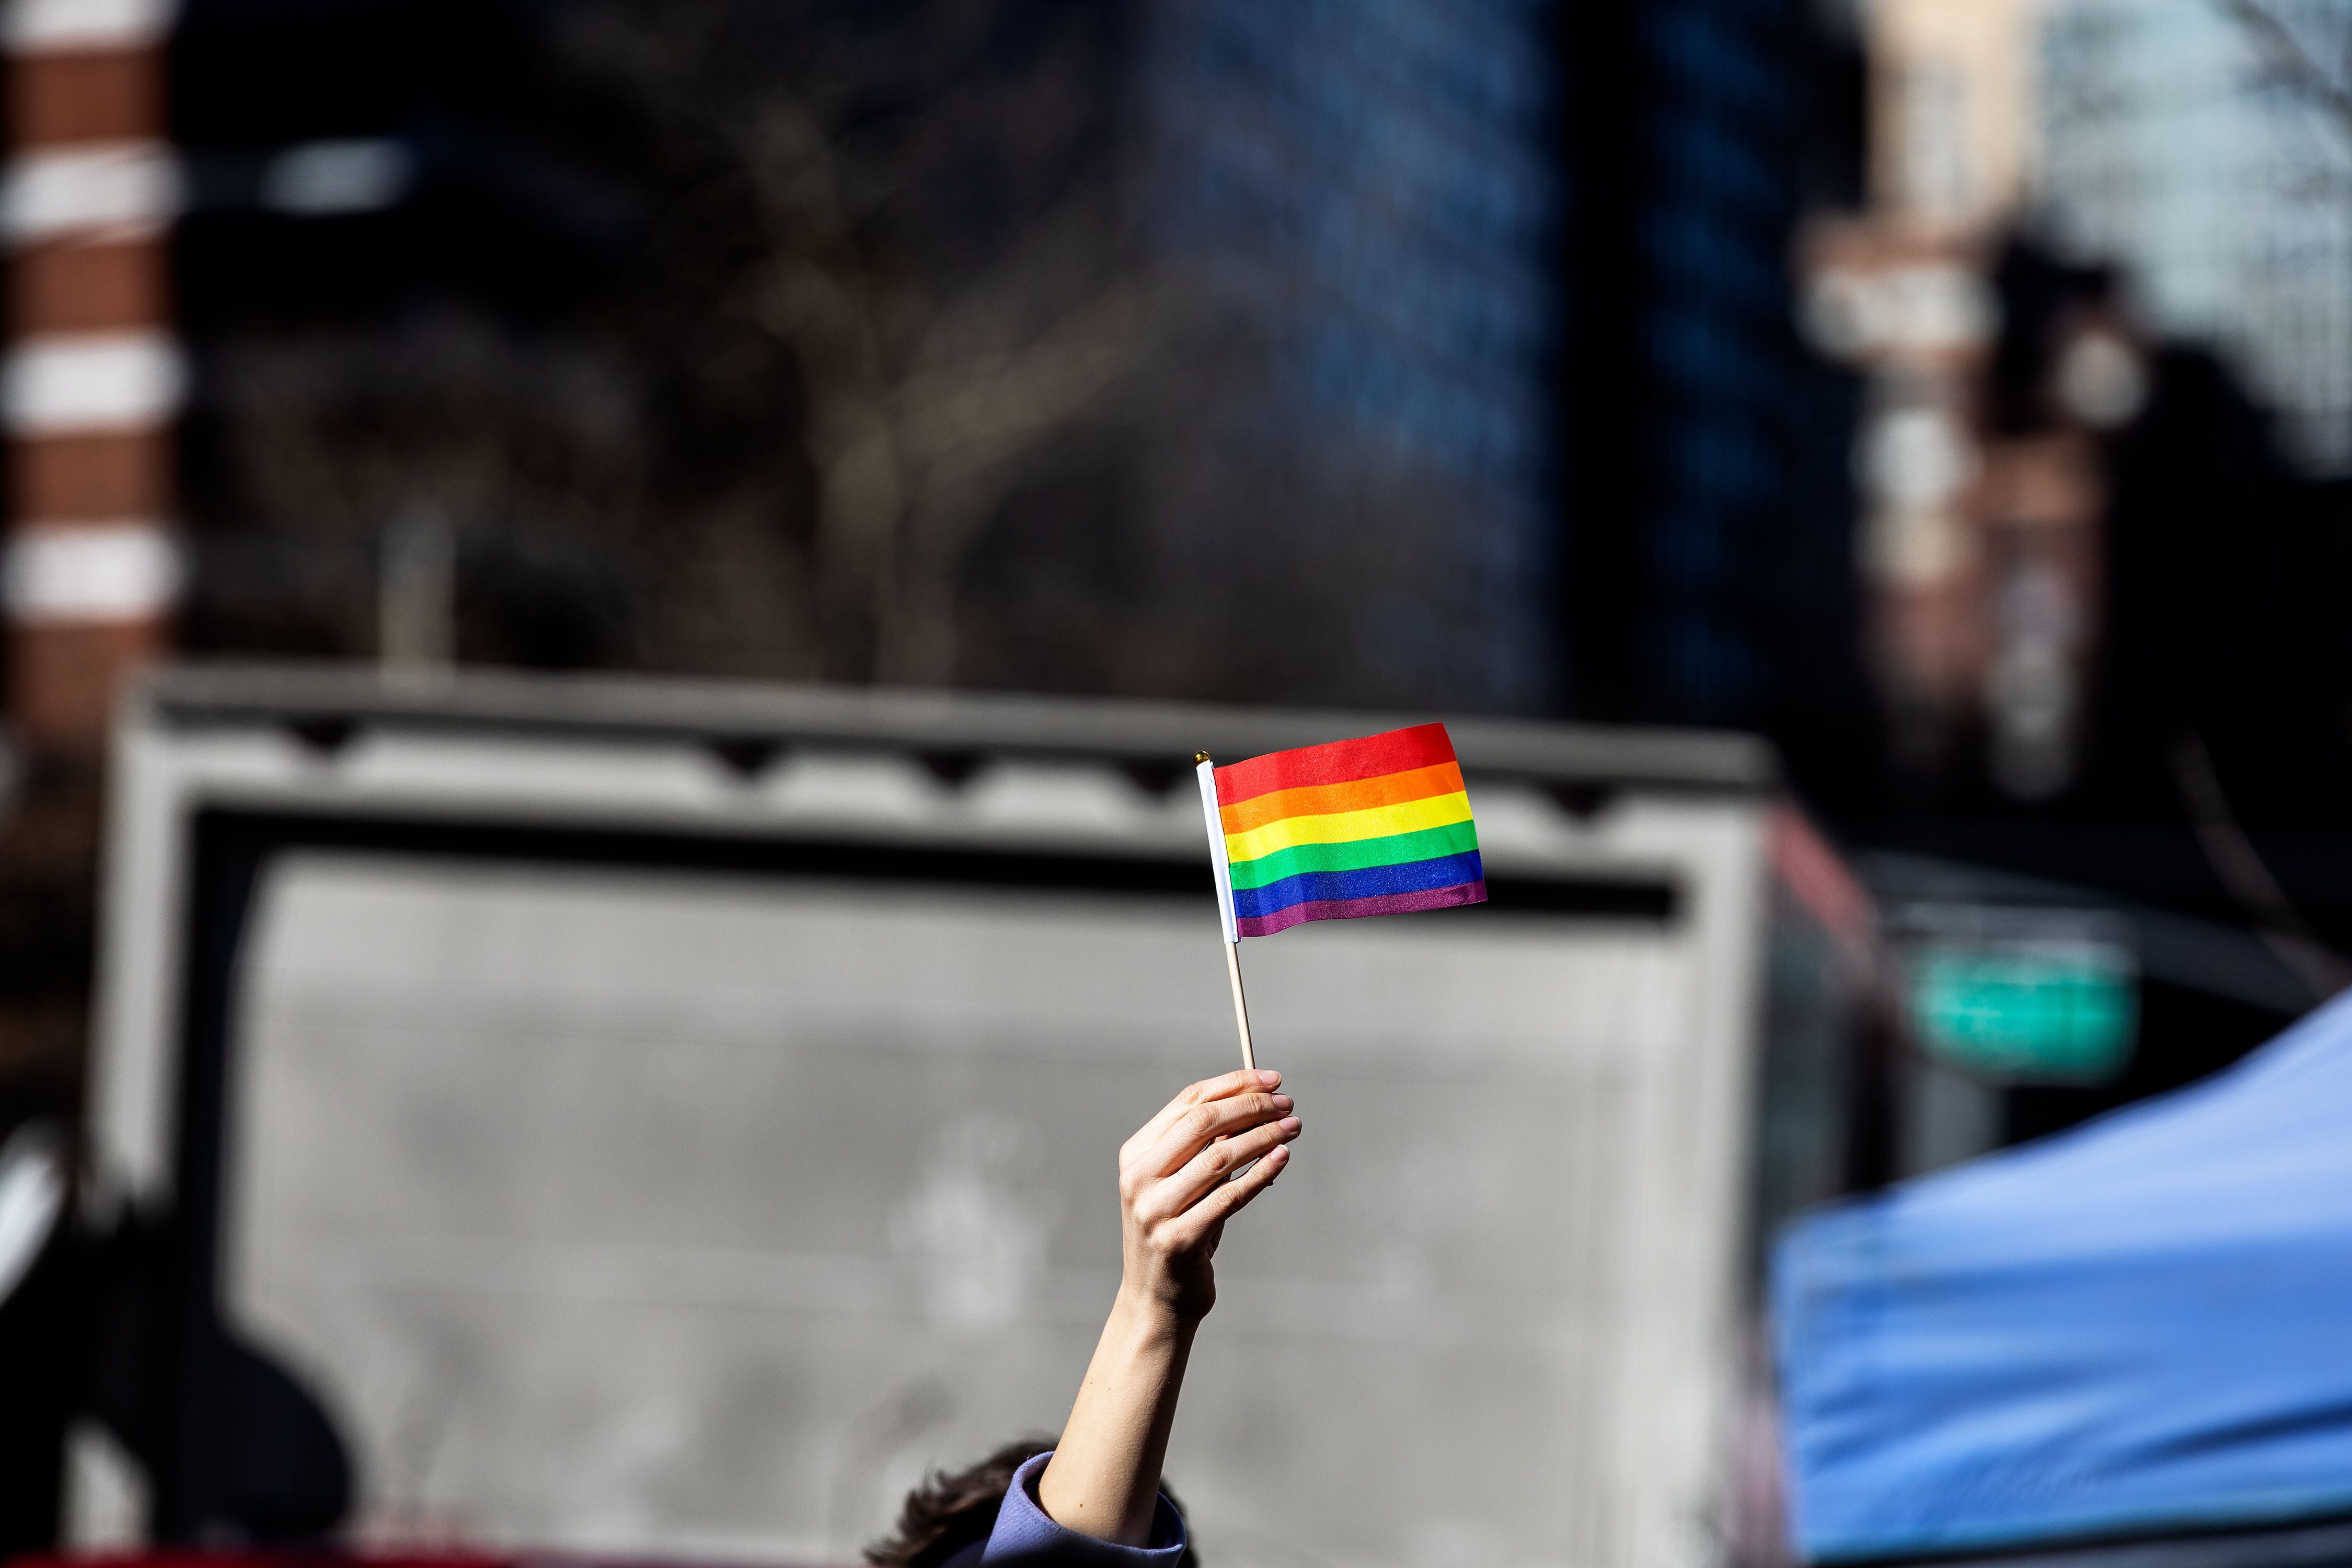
{"points": [[1340, 761]]}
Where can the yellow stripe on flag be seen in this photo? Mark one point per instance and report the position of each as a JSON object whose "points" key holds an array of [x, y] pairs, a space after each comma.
{"points": [[1341, 826]]}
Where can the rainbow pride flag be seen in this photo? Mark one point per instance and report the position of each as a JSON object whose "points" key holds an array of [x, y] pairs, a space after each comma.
{"points": [[1376, 827]]}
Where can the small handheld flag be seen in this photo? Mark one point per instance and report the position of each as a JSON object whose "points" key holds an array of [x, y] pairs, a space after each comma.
{"points": [[1376, 827]]}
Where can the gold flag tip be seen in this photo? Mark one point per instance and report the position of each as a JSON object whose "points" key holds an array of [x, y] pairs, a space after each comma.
{"points": [[1200, 757]]}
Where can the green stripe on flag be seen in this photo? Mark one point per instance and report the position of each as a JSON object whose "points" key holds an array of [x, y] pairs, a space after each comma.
{"points": [[1398, 849]]}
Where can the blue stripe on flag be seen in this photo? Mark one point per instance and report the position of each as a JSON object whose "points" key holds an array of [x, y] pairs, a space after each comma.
{"points": [[1412, 877]]}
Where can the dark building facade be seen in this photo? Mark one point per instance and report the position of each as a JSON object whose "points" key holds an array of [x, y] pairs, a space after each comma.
{"points": [[1361, 204], [1708, 575], [1453, 344], [1306, 253]]}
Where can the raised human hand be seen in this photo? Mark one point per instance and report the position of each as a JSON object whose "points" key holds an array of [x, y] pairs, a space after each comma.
{"points": [[1176, 1186]]}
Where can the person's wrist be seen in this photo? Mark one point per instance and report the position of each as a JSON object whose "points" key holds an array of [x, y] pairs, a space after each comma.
{"points": [[1146, 1314]]}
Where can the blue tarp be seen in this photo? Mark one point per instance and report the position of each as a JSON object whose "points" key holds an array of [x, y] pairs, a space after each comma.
{"points": [[2141, 1325]]}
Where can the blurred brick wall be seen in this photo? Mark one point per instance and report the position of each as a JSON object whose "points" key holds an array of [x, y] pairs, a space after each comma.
{"points": [[92, 383]]}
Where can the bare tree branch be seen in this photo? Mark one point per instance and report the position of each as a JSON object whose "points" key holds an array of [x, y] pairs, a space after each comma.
{"points": [[2294, 64], [2247, 877], [923, 396]]}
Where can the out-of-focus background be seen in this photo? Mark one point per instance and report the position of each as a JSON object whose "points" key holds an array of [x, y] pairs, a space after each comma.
{"points": [[1954, 394]]}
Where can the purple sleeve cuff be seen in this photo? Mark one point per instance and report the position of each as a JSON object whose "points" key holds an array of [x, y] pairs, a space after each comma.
{"points": [[1026, 1534]]}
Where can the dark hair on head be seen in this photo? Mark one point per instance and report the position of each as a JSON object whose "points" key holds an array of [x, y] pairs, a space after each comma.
{"points": [[949, 1512]]}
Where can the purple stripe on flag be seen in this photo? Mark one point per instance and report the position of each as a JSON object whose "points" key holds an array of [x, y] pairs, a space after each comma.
{"points": [[1349, 909]]}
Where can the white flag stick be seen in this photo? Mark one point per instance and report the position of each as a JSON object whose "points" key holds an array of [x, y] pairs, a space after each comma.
{"points": [[1241, 1006], [1207, 771]]}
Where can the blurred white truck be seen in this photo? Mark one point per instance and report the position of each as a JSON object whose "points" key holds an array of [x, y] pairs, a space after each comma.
{"points": [[662, 1120]]}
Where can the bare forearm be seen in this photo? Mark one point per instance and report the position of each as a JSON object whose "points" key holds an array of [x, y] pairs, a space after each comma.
{"points": [[1177, 1187], [1104, 1478]]}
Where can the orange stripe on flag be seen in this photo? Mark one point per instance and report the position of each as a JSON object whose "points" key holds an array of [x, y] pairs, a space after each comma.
{"points": [[1325, 800]]}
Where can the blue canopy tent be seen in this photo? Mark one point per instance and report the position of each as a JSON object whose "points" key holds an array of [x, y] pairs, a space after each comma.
{"points": [[2142, 1326]]}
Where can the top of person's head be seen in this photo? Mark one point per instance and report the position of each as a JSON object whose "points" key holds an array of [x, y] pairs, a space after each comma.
{"points": [[951, 1511]]}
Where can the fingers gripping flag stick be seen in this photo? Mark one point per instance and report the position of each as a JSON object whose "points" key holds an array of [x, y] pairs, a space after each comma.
{"points": [[1376, 827]]}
